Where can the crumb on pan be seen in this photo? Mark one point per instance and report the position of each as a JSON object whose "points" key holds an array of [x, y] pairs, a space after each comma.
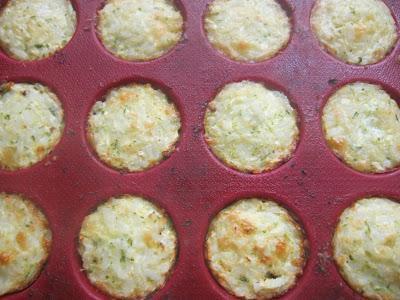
{"points": [[362, 127], [36, 29], [355, 31], [128, 247], [366, 248], [25, 239], [251, 128], [255, 249]]}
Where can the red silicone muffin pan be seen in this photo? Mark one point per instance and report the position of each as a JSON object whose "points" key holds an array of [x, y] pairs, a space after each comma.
{"points": [[192, 185]]}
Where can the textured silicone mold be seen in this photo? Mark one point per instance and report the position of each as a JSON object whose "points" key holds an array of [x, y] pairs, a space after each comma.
{"points": [[192, 185]]}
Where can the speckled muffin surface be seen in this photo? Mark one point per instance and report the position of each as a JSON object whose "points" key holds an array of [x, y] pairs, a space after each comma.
{"points": [[255, 249], [251, 128], [358, 32], [128, 247], [366, 247], [138, 30], [362, 127], [31, 124], [25, 240], [36, 29], [247, 31], [135, 128]]}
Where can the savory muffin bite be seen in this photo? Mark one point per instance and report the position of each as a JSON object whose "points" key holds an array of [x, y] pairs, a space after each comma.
{"points": [[255, 249], [366, 248], [128, 247], [25, 239], [248, 31], [139, 29], [135, 128], [31, 124], [35, 29], [251, 128], [362, 127], [355, 31]]}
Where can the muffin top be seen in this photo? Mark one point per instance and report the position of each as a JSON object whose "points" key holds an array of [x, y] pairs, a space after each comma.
{"points": [[128, 247], [31, 124], [251, 128], [36, 29], [135, 128], [255, 249], [139, 30], [367, 247], [355, 31], [247, 31], [25, 239], [362, 127]]}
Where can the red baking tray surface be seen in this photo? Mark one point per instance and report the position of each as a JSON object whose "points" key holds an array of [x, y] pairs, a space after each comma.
{"points": [[192, 185]]}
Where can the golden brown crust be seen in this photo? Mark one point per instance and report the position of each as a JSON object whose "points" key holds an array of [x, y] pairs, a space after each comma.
{"points": [[226, 244], [40, 220], [5, 258], [125, 150]]}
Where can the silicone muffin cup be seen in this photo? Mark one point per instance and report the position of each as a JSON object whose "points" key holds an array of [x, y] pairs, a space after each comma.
{"points": [[192, 185]]}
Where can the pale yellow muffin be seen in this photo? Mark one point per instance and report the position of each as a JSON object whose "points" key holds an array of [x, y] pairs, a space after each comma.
{"points": [[135, 128], [248, 31], [31, 124], [255, 249], [25, 239], [366, 248], [362, 127], [128, 247], [140, 29], [251, 128], [36, 29], [355, 31]]}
